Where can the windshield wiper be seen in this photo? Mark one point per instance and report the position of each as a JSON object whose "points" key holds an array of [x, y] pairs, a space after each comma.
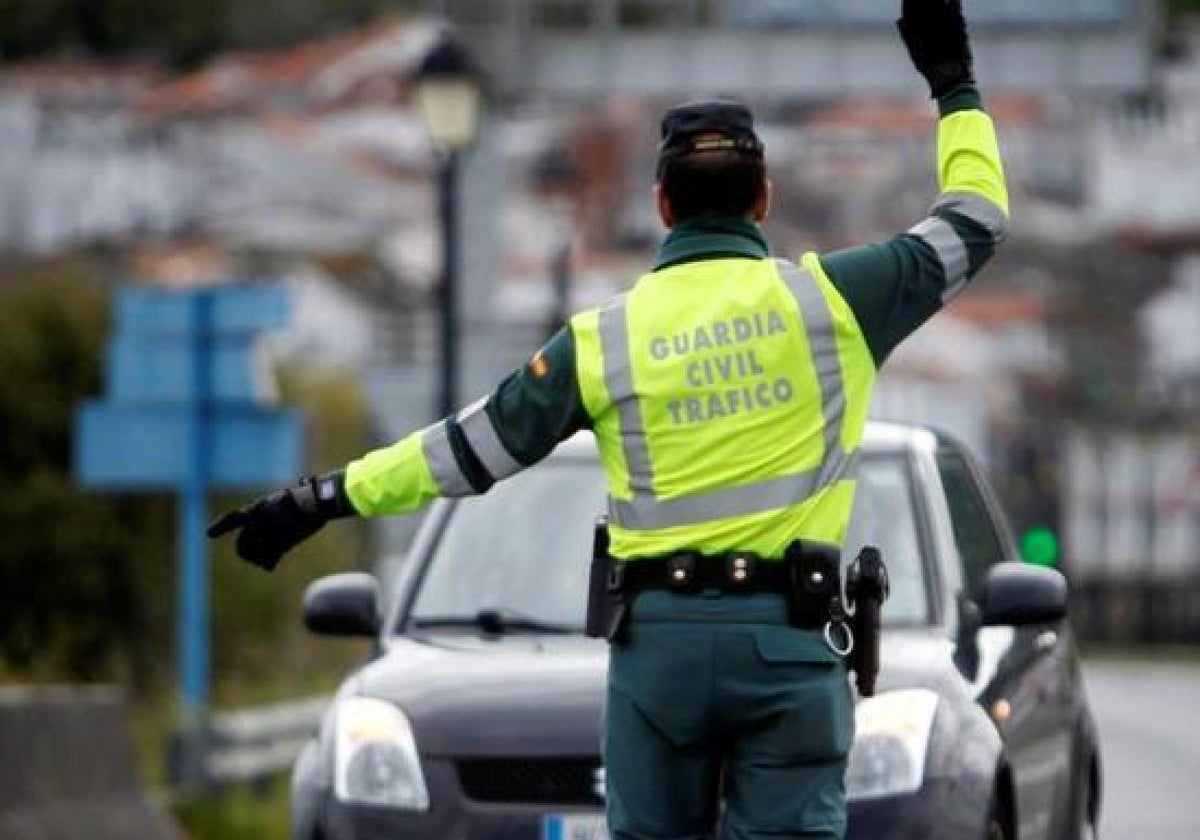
{"points": [[495, 621]]}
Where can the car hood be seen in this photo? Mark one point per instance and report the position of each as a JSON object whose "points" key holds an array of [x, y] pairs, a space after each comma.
{"points": [[917, 659], [543, 695], [514, 695]]}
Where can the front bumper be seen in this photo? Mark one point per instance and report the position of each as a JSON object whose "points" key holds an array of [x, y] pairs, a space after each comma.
{"points": [[452, 816], [943, 809]]}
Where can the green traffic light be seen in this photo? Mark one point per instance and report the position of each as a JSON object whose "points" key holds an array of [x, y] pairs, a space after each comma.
{"points": [[1039, 546]]}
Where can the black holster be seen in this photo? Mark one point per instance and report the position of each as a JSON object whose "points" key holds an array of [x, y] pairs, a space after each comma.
{"points": [[866, 590], [608, 604]]}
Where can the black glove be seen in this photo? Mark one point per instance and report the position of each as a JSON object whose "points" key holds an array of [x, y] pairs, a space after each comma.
{"points": [[273, 525], [935, 33]]}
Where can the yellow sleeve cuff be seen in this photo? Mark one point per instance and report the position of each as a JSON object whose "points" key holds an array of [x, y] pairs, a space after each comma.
{"points": [[395, 479], [969, 157]]}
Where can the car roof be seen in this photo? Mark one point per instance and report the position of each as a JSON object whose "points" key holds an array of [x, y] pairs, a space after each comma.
{"points": [[879, 437]]}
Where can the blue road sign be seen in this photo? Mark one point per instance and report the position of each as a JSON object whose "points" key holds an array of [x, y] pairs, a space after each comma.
{"points": [[145, 447], [247, 308], [158, 368], [185, 410]]}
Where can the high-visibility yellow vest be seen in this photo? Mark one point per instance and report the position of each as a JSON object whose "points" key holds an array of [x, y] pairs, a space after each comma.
{"points": [[728, 398]]}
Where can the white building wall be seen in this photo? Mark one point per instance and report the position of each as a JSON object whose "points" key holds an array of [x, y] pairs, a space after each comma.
{"points": [[954, 407], [1131, 505]]}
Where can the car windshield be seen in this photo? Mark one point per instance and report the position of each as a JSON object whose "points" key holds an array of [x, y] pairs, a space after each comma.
{"points": [[518, 556]]}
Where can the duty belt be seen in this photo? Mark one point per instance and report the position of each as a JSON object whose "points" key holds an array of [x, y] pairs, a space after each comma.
{"points": [[732, 573], [808, 577]]}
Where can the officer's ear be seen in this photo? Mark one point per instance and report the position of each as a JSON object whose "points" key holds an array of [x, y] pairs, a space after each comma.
{"points": [[762, 204], [664, 207]]}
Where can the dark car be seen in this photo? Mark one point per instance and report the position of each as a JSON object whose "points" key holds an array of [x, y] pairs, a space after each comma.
{"points": [[478, 714]]}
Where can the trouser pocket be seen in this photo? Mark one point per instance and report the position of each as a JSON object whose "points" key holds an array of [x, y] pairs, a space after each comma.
{"points": [[800, 687], [793, 715]]}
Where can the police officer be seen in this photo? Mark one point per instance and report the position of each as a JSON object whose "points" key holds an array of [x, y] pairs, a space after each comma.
{"points": [[728, 392]]}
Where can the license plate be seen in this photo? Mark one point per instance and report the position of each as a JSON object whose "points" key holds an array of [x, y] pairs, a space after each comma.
{"points": [[574, 827]]}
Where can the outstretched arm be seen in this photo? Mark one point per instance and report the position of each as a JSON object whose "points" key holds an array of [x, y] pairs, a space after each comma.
{"points": [[515, 427], [527, 415], [895, 286]]}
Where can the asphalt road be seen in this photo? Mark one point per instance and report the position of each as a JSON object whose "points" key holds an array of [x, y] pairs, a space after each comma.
{"points": [[1149, 719]]}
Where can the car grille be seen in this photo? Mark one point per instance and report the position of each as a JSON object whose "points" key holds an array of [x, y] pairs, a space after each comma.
{"points": [[533, 781]]}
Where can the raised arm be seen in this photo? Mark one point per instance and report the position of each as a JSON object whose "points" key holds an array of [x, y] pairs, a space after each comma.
{"points": [[895, 286]]}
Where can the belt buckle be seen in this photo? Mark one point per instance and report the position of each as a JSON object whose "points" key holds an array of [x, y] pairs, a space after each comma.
{"points": [[740, 568]]}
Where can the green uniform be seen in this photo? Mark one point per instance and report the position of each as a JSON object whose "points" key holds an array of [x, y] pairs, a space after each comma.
{"points": [[728, 392], [705, 684], [891, 288]]}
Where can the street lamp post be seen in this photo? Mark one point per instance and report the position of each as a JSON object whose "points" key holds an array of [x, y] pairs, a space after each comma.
{"points": [[448, 93], [448, 297], [559, 181]]}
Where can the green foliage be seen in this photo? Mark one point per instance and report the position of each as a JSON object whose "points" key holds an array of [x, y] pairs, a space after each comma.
{"points": [[81, 575], [181, 31], [167, 28], [87, 579], [241, 813]]}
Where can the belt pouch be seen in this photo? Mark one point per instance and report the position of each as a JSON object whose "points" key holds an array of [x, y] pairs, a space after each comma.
{"points": [[813, 584]]}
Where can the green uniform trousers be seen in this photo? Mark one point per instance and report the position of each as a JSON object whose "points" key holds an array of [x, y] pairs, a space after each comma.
{"points": [[719, 712]]}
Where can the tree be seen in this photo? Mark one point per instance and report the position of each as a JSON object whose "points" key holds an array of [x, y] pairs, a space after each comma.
{"points": [[75, 568], [87, 579], [178, 31]]}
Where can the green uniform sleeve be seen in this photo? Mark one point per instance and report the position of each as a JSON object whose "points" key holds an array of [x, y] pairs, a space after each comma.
{"points": [[540, 405], [516, 426], [895, 286]]}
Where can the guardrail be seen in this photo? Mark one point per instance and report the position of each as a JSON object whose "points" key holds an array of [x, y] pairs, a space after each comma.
{"points": [[253, 744]]}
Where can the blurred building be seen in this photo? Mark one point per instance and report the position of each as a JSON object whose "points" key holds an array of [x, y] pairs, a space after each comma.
{"points": [[793, 49], [307, 164], [76, 165]]}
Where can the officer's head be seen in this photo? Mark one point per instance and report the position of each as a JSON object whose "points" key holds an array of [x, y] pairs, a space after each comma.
{"points": [[710, 163]]}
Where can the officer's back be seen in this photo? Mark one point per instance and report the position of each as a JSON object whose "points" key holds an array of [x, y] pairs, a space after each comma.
{"points": [[728, 392]]}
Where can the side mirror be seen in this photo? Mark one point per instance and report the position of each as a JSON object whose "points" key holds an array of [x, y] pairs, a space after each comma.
{"points": [[1018, 594], [343, 605]]}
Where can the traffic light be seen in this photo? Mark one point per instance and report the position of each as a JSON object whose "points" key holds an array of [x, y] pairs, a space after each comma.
{"points": [[1039, 546]]}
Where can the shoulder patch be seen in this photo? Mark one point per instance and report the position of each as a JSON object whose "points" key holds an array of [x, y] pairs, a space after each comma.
{"points": [[538, 365]]}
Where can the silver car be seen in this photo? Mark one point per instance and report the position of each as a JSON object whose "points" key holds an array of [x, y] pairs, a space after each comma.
{"points": [[478, 713]]}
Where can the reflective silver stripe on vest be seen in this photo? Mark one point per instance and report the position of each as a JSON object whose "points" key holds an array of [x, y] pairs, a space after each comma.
{"points": [[978, 209], [435, 443], [822, 343], [645, 512], [485, 443], [947, 244], [618, 379]]}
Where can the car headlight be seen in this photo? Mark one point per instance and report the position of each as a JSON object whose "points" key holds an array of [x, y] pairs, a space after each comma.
{"points": [[375, 756], [892, 737]]}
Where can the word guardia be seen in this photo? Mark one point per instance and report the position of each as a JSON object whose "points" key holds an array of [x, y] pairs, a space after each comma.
{"points": [[724, 384], [718, 334]]}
